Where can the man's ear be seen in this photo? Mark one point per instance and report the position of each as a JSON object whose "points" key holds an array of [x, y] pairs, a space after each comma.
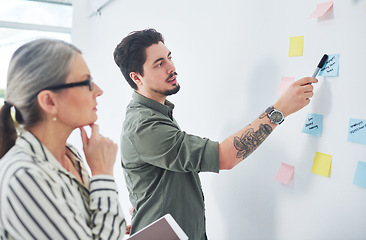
{"points": [[136, 77], [47, 102]]}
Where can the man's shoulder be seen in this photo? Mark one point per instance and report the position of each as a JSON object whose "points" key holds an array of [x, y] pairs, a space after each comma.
{"points": [[138, 113], [135, 108]]}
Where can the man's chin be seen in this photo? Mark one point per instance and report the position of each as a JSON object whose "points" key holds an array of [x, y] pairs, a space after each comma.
{"points": [[172, 91]]}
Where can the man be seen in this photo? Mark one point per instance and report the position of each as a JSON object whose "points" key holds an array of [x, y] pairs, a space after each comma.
{"points": [[161, 162]]}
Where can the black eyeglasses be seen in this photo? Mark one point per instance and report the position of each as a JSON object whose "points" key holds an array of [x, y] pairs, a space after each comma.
{"points": [[88, 83]]}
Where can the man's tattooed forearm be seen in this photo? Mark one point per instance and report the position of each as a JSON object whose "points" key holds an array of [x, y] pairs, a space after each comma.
{"points": [[250, 140]]}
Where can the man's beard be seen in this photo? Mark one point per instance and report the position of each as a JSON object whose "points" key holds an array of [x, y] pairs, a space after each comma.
{"points": [[168, 92], [171, 91]]}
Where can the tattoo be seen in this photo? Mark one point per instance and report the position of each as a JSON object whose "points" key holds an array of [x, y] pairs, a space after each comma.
{"points": [[263, 115], [250, 140]]}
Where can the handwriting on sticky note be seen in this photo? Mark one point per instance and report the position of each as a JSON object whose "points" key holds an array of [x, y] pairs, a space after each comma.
{"points": [[285, 82], [285, 173], [313, 124], [321, 9], [360, 175], [296, 46], [357, 131], [331, 67], [322, 164]]}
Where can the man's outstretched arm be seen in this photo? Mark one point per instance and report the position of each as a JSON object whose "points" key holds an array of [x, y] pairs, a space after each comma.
{"points": [[240, 145]]}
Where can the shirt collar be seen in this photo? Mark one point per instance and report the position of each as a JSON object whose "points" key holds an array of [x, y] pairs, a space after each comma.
{"points": [[166, 109], [35, 148]]}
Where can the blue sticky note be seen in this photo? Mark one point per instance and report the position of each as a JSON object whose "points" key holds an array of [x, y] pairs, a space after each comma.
{"points": [[313, 124], [331, 66], [357, 131], [360, 175]]}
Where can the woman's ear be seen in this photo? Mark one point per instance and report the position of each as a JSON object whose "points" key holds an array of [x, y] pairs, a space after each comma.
{"points": [[136, 77], [47, 102]]}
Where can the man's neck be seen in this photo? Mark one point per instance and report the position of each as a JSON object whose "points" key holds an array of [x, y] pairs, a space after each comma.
{"points": [[158, 97]]}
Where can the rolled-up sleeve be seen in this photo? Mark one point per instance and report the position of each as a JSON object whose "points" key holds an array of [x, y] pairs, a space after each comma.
{"points": [[159, 141]]}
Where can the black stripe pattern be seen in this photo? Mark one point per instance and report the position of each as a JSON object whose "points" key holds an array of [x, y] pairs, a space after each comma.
{"points": [[39, 199]]}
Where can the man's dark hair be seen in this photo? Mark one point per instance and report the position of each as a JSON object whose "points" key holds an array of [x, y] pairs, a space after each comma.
{"points": [[130, 54]]}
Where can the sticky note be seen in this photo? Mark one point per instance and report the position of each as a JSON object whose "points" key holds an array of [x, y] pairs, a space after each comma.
{"points": [[360, 175], [331, 66], [285, 82], [321, 8], [313, 124], [285, 173], [357, 131], [322, 164], [296, 46]]}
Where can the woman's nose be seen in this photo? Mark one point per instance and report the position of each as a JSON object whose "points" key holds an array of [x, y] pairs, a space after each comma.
{"points": [[98, 90]]}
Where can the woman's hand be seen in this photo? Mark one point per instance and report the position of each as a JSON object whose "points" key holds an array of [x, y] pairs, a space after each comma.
{"points": [[100, 152]]}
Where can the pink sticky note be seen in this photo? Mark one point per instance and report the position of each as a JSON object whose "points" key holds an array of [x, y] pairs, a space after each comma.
{"points": [[285, 173], [321, 9], [285, 82]]}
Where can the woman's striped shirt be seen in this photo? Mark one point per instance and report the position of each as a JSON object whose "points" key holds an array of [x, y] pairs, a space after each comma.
{"points": [[39, 199]]}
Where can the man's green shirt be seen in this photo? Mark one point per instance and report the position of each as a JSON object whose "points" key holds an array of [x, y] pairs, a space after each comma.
{"points": [[161, 165]]}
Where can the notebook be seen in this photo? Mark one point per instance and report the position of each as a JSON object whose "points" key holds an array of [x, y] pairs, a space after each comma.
{"points": [[165, 228]]}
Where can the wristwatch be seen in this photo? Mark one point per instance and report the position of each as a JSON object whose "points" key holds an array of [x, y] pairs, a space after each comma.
{"points": [[274, 115]]}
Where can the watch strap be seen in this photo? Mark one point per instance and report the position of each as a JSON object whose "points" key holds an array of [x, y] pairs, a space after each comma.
{"points": [[270, 110]]}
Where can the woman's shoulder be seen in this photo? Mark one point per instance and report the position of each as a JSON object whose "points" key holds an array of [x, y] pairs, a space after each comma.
{"points": [[15, 156], [14, 160]]}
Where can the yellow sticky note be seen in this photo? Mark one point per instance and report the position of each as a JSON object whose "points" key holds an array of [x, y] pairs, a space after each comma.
{"points": [[322, 164], [296, 46]]}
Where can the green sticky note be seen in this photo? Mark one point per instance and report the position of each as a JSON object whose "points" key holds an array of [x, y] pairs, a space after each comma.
{"points": [[296, 46], [322, 164]]}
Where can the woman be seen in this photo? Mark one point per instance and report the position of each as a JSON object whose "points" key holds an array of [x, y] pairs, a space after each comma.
{"points": [[45, 191]]}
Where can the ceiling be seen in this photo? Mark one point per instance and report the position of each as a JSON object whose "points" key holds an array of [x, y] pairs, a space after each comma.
{"points": [[64, 2]]}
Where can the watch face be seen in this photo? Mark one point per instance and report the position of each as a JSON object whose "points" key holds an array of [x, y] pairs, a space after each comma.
{"points": [[276, 117]]}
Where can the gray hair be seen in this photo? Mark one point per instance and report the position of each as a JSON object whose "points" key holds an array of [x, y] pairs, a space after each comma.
{"points": [[34, 66]]}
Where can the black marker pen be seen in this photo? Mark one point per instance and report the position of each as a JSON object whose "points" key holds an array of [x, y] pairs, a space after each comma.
{"points": [[320, 65]]}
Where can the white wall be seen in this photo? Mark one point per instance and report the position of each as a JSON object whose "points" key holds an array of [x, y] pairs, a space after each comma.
{"points": [[230, 56]]}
